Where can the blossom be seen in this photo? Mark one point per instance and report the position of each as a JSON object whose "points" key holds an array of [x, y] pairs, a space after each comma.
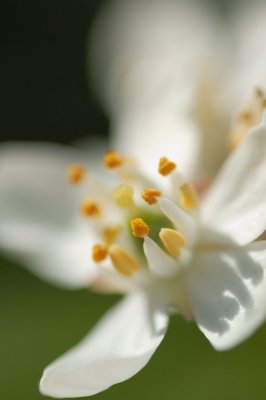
{"points": [[195, 252], [201, 258]]}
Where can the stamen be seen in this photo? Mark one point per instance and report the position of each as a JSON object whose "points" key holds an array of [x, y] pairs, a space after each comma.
{"points": [[172, 240], [110, 233], [90, 209], [139, 228], [150, 195], [123, 196], [76, 173], [122, 261], [99, 252], [188, 196], [112, 159], [166, 166]]}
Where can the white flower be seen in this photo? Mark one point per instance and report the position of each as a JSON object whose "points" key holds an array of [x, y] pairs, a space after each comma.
{"points": [[202, 258], [210, 265]]}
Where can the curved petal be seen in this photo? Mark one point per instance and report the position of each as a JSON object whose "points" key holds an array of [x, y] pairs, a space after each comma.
{"points": [[39, 222], [156, 131], [130, 38], [156, 107], [248, 27], [119, 346], [236, 204], [228, 294]]}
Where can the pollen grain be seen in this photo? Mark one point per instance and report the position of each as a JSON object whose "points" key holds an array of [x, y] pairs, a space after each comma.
{"points": [[76, 173], [99, 252], [89, 208], [150, 195], [166, 166], [112, 159], [139, 227]]}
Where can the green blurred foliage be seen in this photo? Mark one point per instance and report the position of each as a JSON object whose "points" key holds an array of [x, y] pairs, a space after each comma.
{"points": [[40, 322]]}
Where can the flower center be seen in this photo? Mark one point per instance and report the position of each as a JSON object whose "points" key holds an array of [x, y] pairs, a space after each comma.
{"points": [[153, 229]]}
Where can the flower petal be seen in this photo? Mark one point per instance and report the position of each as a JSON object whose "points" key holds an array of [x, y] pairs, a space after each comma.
{"points": [[236, 204], [130, 38], [228, 294], [119, 346], [169, 133], [40, 226], [154, 106]]}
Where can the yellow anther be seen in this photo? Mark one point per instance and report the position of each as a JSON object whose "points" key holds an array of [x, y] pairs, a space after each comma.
{"points": [[110, 233], [89, 208], [99, 252], [172, 240], [188, 196], [139, 228], [76, 173], [123, 196], [112, 159], [122, 261], [166, 166], [150, 195]]}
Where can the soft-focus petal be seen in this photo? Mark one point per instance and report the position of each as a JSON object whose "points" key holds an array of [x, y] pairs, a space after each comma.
{"points": [[236, 203], [228, 294], [130, 38], [248, 43], [159, 131], [40, 225], [169, 109], [119, 346]]}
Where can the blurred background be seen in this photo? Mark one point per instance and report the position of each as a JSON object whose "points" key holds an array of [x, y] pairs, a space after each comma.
{"points": [[45, 96]]}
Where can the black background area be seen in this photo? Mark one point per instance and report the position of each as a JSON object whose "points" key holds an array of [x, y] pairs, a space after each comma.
{"points": [[44, 93]]}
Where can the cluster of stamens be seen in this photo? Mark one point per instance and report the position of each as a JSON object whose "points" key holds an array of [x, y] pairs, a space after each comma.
{"points": [[122, 260]]}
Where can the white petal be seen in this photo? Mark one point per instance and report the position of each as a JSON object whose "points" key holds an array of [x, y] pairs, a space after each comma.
{"points": [[119, 346], [249, 32], [228, 294], [154, 108], [236, 204], [159, 131], [182, 221], [38, 212], [130, 38]]}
